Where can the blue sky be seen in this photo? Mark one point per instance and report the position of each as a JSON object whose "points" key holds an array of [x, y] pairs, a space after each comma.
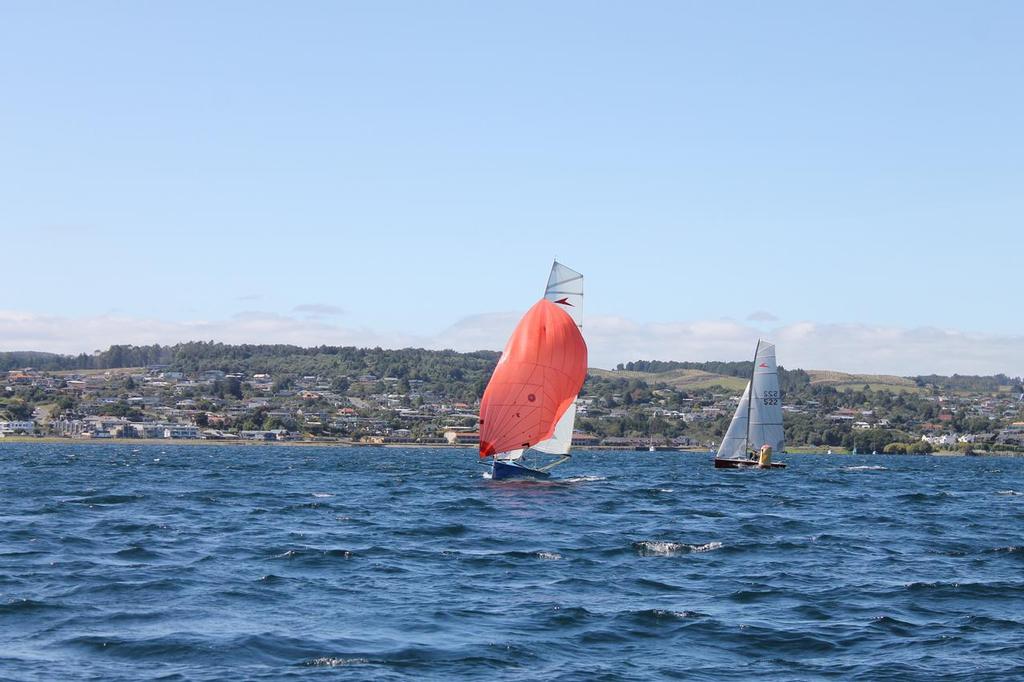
{"points": [[386, 172]]}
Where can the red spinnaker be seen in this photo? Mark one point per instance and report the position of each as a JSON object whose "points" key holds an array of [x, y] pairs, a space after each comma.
{"points": [[540, 372]]}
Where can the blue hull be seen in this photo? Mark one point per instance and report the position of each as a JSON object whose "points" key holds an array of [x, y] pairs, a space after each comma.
{"points": [[502, 471]]}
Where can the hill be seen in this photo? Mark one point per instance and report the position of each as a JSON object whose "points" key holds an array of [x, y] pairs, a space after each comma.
{"points": [[346, 392], [876, 382], [692, 379]]}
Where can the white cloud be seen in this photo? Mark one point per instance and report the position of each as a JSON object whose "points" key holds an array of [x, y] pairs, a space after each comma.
{"points": [[845, 347], [316, 310]]}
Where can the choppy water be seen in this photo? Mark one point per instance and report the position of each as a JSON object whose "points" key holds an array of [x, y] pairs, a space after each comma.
{"points": [[202, 562]]}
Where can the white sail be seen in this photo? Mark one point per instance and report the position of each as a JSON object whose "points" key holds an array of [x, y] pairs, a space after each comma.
{"points": [[734, 444], [565, 288], [758, 418], [766, 404], [561, 441]]}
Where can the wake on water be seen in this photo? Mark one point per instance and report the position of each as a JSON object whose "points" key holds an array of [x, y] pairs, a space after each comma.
{"points": [[549, 481]]}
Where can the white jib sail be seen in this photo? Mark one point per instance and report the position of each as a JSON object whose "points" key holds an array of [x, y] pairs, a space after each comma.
{"points": [[565, 288], [766, 406], [734, 444], [561, 441]]}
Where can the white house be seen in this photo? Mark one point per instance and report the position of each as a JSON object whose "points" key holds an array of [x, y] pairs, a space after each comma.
{"points": [[947, 439], [181, 431], [12, 427]]}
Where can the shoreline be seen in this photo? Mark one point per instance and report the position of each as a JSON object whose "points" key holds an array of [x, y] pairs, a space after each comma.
{"points": [[56, 440]]}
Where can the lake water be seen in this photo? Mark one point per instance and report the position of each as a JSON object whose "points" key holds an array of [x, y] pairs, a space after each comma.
{"points": [[209, 563]]}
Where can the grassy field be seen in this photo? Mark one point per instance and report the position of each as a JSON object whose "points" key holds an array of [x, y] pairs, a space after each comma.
{"points": [[842, 381], [679, 378], [99, 372], [695, 378]]}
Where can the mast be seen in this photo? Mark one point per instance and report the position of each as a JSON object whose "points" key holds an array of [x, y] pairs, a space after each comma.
{"points": [[750, 397]]}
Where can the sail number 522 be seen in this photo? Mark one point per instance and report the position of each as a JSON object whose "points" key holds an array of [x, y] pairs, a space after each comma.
{"points": [[770, 397]]}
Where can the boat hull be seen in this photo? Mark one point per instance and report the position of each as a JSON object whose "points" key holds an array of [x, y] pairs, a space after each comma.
{"points": [[745, 464], [503, 471]]}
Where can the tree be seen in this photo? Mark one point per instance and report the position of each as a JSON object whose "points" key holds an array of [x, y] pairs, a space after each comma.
{"points": [[233, 387], [282, 383], [921, 447], [18, 410]]}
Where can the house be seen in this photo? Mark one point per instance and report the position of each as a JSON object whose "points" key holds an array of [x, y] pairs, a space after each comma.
{"points": [[13, 427], [945, 440], [149, 429], [178, 431], [1012, 435], [257, 435], [462, 437], [585, 439]]}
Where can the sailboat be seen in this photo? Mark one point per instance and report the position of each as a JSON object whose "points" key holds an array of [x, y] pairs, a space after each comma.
{"points": [[529, 404], [758, 418]]}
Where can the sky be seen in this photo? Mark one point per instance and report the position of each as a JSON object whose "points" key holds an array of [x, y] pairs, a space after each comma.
{"points": [[845, 179]]}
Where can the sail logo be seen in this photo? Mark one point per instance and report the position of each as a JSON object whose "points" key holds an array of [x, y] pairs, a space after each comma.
{"points": [[565, 301], [763, 364]]}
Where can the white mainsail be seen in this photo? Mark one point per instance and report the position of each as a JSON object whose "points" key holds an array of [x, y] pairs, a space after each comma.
{"points": [[565, 288], [758, 417], [766, 404]]}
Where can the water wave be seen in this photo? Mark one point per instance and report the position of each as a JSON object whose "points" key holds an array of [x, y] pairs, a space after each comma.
{"points": [[333, 662], [664, 548], [277, 563]]}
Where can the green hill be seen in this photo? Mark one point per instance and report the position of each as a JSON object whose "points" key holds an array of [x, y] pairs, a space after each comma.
{"points": [[843, 381], [685, 379]]}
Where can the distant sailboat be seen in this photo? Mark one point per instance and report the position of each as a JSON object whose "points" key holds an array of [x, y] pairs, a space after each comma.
{"points": [[758, 418], [530, 401]]}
